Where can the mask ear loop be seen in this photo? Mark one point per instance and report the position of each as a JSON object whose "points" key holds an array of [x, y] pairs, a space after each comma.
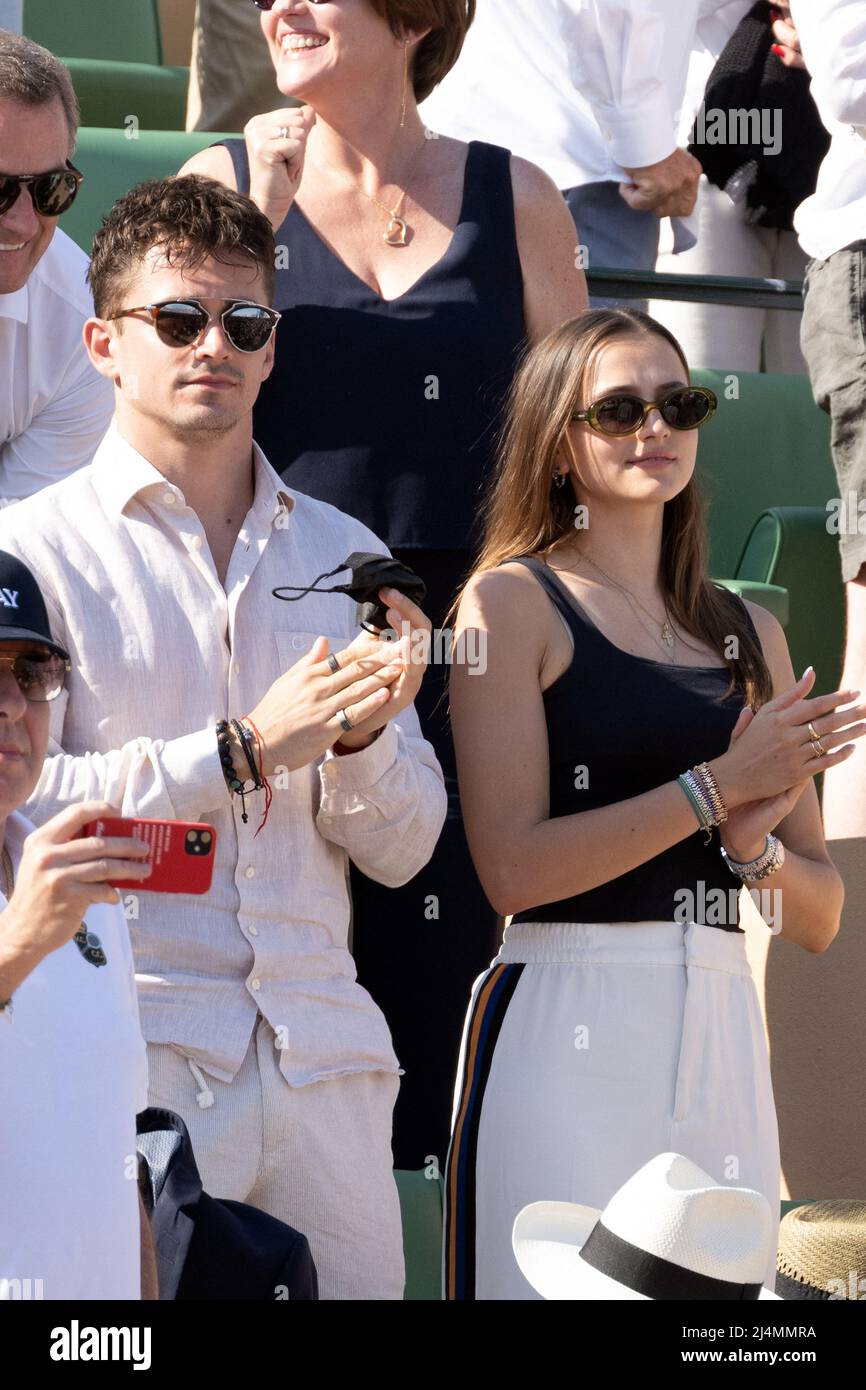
{"points": [[311, 588]]}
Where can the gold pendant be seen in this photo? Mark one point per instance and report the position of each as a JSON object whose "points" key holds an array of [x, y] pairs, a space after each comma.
{"points": [[396, 233], [668, 634]]}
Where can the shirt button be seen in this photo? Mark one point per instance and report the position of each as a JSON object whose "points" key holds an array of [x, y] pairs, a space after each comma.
{"points": [[168, 498], [237, 668], [257, 984], [249, 872], [254, 931], [298, 643], [196, 542]]}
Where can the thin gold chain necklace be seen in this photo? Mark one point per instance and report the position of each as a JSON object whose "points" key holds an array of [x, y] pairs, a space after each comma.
{"points": [[667, 632], [398, 228]]}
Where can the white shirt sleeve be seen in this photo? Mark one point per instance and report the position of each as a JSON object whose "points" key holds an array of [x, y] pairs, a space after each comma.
{"points": [[619, 51], [63, 435], [385, 804], [170, 779], [833, 38]]}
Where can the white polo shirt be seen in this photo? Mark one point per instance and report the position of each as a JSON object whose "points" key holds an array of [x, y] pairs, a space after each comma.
{"points": [[54, 406], [73, 1075]]}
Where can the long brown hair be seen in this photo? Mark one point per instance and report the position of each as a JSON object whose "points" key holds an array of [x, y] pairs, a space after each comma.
{"points": [[523, 513]]}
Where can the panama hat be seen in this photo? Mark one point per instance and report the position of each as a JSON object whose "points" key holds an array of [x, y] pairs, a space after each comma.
{"points": [[670, 1232], [822, 1251]]}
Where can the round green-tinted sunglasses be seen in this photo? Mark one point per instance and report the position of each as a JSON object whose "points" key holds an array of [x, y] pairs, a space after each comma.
{"points": [[684, 408]]}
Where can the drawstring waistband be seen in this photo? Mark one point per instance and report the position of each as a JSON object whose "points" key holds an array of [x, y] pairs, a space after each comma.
{"points": [[205, 1096]]}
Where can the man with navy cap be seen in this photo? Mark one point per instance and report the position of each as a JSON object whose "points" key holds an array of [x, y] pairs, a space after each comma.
{"points": [[73, 1068]]}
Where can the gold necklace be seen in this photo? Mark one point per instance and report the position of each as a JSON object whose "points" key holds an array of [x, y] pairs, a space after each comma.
{"points": [[667, 632], [398, 228]]}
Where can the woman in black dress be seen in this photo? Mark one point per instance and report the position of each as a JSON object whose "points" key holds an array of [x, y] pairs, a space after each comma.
{"points": [[411, 271]]}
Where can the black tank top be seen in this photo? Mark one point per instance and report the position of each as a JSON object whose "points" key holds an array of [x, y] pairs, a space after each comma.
{"points": [[388, 409], [619, 725]]}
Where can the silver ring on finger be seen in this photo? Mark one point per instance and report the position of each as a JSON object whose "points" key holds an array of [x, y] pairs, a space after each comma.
{"points": [[333, 663], [283, 132], [344, 721]]}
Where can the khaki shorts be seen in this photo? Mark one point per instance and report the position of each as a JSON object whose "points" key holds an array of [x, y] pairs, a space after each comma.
{"points": [[833, 340]]}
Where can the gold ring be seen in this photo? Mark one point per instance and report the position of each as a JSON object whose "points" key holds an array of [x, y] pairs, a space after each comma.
{"points": [[820, 750], [813, 732]]}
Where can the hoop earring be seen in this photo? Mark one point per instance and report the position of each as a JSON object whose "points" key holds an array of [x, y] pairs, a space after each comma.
{"points": [[559, 480], [405, 84]]}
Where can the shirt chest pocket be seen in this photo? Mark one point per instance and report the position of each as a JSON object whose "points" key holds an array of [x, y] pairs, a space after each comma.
{"points": [[291, 646]]}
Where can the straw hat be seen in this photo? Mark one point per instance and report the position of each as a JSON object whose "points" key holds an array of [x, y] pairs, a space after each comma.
{"points": [[670, 1232], [822, 1251]]}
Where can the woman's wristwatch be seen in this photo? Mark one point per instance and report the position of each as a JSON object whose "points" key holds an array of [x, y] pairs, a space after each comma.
{"points": [[771, 858]]}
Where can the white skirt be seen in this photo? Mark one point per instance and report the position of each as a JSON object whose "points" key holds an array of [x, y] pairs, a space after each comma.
{"points": [[587, 1050]]}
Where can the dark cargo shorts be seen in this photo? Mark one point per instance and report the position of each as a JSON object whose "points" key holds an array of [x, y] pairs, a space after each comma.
{"points": [[833, 341]]}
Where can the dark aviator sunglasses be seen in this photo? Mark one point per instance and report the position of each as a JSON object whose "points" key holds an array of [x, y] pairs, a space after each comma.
{"points": [[53, 193], [39, 678], [684, 408], [183, 322]]}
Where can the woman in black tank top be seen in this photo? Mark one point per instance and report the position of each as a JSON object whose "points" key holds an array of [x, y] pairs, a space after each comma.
{"points": [[411, 270], [632, 721]]}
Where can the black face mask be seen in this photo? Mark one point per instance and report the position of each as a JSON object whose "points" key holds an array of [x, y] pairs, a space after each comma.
{"points": [[370, 573]]}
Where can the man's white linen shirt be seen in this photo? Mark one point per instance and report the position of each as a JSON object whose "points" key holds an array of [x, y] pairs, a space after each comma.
{"points": [[833, 38], [160, 652], [54, 405], [583, 88]]}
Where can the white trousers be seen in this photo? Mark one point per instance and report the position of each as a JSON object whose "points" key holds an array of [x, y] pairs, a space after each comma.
{"points": [[318, 1157], [730, 339], [589, 1049]]}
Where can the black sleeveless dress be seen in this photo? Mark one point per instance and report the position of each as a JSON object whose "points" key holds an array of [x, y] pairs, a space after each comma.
{"points": [[388, 409], [597, 715]]}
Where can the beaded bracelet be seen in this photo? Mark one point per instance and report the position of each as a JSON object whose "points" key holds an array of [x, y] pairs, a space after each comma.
{"points": [[717, 802], [233, 782], [771, 858], [697, 796]]}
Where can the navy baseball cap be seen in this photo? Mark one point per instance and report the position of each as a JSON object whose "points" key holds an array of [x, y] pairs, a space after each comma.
{"points": [[23, 614]]}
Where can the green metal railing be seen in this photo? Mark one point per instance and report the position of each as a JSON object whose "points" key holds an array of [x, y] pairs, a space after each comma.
{"points": [[728, 290]]}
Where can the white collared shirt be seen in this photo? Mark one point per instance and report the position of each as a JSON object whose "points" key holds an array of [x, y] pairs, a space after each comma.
{"points": [[54, 405], [583, 88], [161, 652], [73, 1075], [833, 39]]}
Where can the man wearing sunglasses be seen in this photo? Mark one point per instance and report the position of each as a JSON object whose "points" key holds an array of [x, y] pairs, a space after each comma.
{"points": [[73, 1070], [54, 408], [159, 564]]}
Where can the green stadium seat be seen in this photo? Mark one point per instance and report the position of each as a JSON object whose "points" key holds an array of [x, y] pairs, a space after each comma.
{"points": [[112, 164], [421, 1207], [129, 96], [766, 467], [123, 30]]}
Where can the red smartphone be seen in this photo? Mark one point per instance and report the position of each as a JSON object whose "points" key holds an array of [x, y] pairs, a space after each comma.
{"points": [[181, 852]]}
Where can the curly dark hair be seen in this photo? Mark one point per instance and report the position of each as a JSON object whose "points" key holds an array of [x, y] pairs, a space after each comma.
{"points": [[190, 219], [435, 55]]}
